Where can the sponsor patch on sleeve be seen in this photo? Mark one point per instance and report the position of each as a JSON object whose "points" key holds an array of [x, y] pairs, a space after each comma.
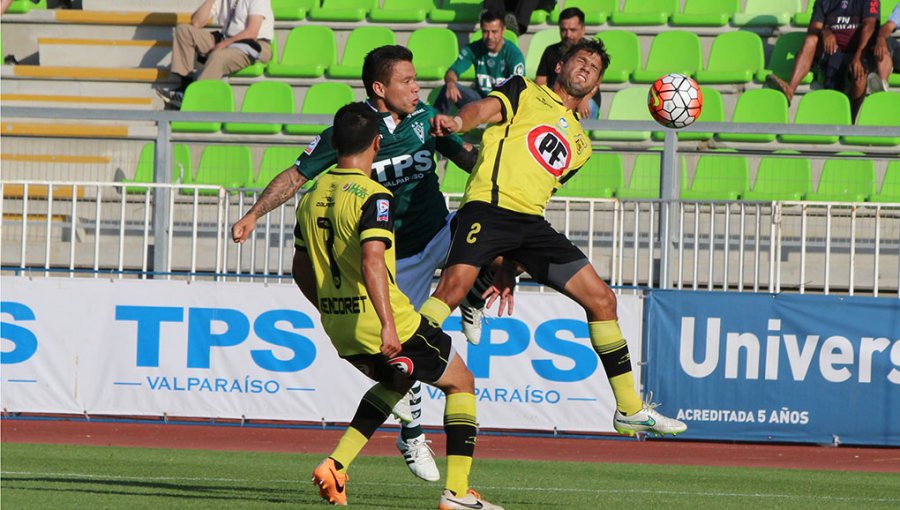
{"points": [[312, 145], [383, 210]]}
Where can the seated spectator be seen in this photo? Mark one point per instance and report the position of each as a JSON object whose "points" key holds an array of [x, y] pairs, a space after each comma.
{"points": [[248, 27], [839, 33], [518, 12], [887, 52], [571, 31], [495, 60]]}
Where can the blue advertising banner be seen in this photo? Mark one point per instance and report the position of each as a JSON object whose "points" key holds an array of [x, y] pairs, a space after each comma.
{"points": [[762, 367]]}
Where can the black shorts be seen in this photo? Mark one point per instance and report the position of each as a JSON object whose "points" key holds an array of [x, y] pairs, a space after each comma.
{"points": [[482, 232], [424, 357]]}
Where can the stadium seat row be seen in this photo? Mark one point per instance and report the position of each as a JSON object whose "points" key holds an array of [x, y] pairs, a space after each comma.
{"points": [[753, 106], [725, 178], [713, 13], [735, 57], [229, 166]]}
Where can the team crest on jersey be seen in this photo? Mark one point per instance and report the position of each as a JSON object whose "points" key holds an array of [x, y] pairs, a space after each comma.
{"points": [[580, 143], [563, 124], [419, 128], [403, 364], [550, 149], [383, 210], [312, 145]]}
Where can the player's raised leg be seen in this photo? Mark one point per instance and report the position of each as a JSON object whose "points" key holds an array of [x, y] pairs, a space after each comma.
{"points": [[330, 476], [599, 302]]}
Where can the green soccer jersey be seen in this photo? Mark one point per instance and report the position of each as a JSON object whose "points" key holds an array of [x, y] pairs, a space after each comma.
{"points": [[490, 68], [405, 165]]}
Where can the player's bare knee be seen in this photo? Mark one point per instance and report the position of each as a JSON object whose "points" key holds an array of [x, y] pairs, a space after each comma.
{"points": [[602, 303]]}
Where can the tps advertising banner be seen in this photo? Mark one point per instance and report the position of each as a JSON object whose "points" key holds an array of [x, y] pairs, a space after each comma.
{"points": [[233, 350], [761, 367]]}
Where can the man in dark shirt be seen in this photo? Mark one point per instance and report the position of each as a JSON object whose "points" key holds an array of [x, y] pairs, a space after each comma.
{"points": [[839, 33], [571, 31]]}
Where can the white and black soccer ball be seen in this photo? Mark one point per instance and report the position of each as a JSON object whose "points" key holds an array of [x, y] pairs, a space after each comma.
{"points": [[675, 100]]}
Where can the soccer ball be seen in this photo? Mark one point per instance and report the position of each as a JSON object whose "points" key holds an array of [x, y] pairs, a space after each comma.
{"points": [[675, 101]]}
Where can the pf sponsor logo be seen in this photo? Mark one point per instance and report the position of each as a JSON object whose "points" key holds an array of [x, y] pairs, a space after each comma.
{"points": [[384, 210], [403, 364], [550, 149]]}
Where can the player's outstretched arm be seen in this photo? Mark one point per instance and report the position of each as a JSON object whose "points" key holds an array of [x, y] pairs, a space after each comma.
{"points": [[280, 190], [375, 278], [488, 110]]}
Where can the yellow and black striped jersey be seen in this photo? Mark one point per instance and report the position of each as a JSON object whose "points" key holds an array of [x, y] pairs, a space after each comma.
{"points": [[344, 209], [525, 158]]}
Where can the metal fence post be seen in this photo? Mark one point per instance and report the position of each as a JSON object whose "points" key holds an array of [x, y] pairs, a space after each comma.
{"points": [[669, 184], [162, 174]]}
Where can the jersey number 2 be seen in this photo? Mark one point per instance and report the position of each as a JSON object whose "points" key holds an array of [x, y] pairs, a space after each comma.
{"points": [[476, 228]]}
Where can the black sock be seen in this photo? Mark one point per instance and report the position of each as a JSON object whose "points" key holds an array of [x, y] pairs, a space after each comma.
{"points": [[484, 280], [185, 81]]}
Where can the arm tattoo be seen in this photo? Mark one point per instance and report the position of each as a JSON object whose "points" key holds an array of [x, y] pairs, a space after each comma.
{"points": [[280, 190]]}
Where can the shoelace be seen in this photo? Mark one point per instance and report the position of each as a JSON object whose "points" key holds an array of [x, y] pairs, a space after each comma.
{"points": [[415, 449]]}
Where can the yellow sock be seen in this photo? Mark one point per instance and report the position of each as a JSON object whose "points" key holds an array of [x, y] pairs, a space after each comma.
{"points": [[610, 345], [460, 426], [435, 310], [348, 448]]}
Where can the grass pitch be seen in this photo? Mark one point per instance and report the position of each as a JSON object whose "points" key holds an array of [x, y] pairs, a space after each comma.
{"points": [[55, 476]]}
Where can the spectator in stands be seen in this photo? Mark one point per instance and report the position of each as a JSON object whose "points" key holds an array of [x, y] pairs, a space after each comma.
{"points": [[838, 36], [887, 52], [518, 12], [248, 27], [495, 60], [571, 31]]}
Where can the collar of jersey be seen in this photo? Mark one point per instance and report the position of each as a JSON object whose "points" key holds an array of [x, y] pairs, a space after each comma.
{"points": [[348, 171]]}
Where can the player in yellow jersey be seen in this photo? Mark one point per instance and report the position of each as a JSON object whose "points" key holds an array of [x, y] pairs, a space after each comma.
{"points": [[534, 146], [344, 263]]}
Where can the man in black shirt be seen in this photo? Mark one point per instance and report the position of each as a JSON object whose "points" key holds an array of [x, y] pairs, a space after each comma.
{"points": [[839, 33], [571, 31]]}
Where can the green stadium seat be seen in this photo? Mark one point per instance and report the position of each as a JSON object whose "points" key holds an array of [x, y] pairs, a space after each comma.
{"points": [[879, 109], [719, 178], [434, 51], [228, 166], [258, 68], [181, 166], [308, 52], [845, 180], [596, 12], [713, 111], [706, 13], [627, 104], [626, 47], [644, 182], [342, 10], [324, 98], [820, 107], [765, 106], [539, 16], [457, 11], [894, 80], [784, 54], [402, 11], [802, 18], [676, 51], [645, 12], [454, 180], [539, 42], [274, 161], [291, 10], [24, 6], [890, 186], [205, 96], [735, 57], [361, 41], [600, 177], [766, 13], [264, 97], [781, 179]]}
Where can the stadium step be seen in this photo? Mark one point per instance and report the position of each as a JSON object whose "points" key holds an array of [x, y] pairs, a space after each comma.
{"points": [[158, 5], [73, 101], [104, 53], [71, 73]]}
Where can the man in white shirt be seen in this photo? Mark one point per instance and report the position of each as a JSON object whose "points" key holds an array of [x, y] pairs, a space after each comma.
{"points": [[887, 52], [248, 27]]}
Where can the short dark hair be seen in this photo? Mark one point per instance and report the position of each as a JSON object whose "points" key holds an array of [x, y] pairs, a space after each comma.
{"points": [[590, 46], [379, 65], [572, 12], [489, 16], [355, 126]]}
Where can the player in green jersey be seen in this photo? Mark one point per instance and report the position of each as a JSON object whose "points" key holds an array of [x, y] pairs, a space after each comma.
{"points": [[405, 165], [345, 254]]}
